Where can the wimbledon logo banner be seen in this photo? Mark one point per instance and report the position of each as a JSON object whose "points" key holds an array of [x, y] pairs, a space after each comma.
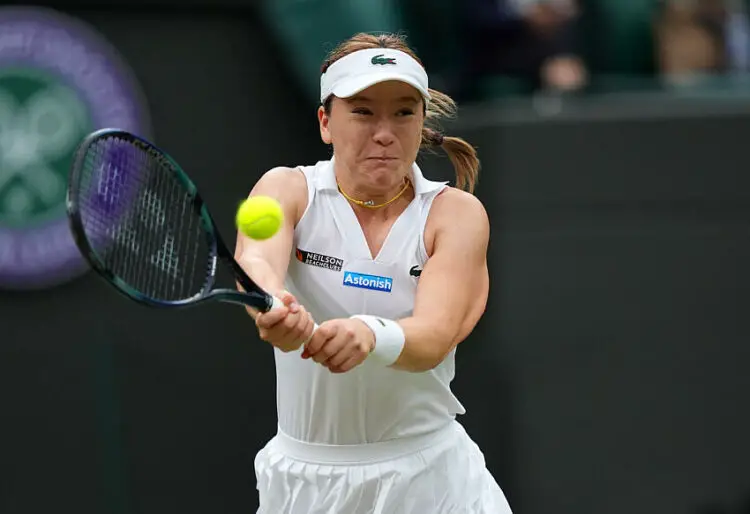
{"points": [[59, 81]]}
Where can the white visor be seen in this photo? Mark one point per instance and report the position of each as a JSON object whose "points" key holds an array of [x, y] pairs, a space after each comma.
{"points": [[364, 68]]}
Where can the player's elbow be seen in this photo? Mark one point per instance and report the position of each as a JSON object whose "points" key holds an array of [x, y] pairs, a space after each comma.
{"points": [[443, 345], [425, 354], [437, 357], [431, 358]]}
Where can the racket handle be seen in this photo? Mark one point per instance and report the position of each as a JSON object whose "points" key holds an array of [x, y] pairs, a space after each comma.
{"points": [[278, 303]]}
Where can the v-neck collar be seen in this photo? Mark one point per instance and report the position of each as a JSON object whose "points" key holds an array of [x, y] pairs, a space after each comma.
{"points": [[346, 216]]}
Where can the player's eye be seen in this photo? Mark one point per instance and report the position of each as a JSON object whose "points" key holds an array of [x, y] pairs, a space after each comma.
{"points": [[406, 112], [361, 110]]}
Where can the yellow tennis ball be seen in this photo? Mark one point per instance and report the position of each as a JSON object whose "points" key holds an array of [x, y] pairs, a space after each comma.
{"points": [[259, 217]]}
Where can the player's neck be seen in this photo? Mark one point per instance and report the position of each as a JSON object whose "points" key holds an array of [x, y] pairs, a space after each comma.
{"points": [[367, 196], [370, 205]]}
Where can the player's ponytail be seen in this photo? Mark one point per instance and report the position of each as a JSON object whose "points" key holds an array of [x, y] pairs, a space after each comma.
{"points": [[460, 152]]}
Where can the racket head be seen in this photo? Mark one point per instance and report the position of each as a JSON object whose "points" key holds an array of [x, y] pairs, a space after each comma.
{"points": [[107, 187]]}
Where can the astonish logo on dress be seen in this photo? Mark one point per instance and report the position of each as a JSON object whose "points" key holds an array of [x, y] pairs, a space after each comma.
{"points": [[372, 282]]}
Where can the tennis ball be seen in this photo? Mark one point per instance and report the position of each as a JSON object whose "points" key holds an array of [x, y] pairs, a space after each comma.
{"points": [[259, 217]]}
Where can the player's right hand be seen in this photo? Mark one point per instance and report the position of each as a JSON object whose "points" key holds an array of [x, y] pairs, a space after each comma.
{"points": [[286, 328]]}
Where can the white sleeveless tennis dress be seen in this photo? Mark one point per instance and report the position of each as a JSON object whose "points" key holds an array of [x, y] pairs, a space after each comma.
{"points": [[373, 440]]}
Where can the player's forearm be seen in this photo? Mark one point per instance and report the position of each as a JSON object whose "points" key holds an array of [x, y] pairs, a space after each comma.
{"points": [[427, 344], [262, 273]]}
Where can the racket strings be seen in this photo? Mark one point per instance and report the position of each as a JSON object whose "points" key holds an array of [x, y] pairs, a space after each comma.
{"points": [[140, 221]]}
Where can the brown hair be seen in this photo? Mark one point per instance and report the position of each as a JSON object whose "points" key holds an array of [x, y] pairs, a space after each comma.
{"points": [[461, 153]]}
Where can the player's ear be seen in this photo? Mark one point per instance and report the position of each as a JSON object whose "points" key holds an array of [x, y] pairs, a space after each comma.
{"points": [[323, 120]]}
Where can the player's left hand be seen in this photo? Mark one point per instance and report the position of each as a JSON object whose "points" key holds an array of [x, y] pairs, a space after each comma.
{"points": [[340, 344]]}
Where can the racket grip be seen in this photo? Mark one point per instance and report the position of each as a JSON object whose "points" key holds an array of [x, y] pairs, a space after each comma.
{"points": [[278, 303]]}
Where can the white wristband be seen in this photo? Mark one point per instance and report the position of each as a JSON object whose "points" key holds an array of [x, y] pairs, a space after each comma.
{"points": [[389, 337]]}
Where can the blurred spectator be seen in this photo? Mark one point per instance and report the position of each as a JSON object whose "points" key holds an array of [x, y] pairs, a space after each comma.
{"points": [[528, 39], [737, 36], [691, 37]]}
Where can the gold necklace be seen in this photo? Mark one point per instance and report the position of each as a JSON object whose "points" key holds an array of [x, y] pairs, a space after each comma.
{"points": [[369, 203]]}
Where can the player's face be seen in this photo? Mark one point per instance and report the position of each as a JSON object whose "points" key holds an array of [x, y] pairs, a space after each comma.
{"points": [[376, 134]]}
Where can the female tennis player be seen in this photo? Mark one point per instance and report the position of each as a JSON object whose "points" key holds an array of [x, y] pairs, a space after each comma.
{"points": [[393, 268]]}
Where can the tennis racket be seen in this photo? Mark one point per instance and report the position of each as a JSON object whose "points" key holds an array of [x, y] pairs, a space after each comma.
{"points": [[139, 221]]}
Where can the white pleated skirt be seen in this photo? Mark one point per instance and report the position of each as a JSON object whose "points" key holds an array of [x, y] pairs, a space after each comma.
{"points": [[440, 473]]}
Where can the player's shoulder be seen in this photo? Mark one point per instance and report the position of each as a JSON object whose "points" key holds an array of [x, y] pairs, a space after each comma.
{"points": [[284, 175], [456, 215], [283, 181], [455, 204], [287, 185]]}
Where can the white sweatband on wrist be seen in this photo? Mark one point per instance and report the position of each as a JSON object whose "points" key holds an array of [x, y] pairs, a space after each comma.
{"points": [[389, 337]]}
